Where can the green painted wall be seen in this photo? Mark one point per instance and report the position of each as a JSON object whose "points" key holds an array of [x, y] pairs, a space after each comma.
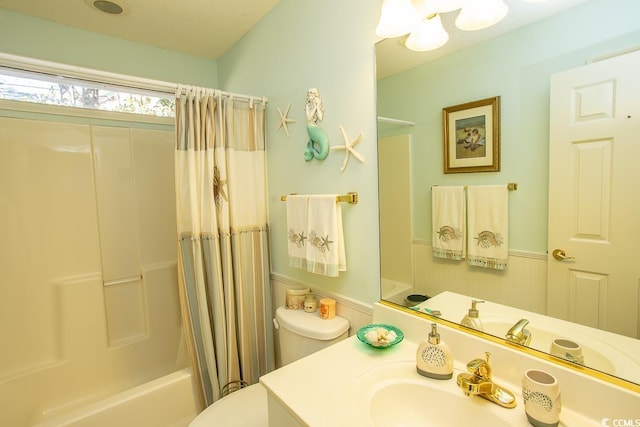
{"points": [[516, 67], [328, 45], [36, 38], [300, 44]]}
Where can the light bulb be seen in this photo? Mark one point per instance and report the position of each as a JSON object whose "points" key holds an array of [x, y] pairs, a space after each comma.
{"points": [[427, 35], [397, 18], [479, 14], [425, 8]]}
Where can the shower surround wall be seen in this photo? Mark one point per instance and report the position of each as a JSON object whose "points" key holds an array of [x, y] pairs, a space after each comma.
{"points": [[88, 294]]}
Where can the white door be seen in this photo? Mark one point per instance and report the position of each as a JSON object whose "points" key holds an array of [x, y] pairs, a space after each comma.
{"points": [[594, 199]]}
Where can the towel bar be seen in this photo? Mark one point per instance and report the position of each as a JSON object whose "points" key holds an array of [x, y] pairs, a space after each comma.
{"points": [[351, 198], [512, 186]]}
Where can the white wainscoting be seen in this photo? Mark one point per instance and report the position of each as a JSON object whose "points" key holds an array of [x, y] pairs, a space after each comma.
{"points": [[522, 285], [357, 313]]}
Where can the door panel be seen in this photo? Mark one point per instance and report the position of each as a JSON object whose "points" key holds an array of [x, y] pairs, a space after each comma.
{"points": [[594, 210]]}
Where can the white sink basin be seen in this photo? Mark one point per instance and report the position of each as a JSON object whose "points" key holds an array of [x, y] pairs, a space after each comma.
{"points": [[394, 394], [410, 404]]}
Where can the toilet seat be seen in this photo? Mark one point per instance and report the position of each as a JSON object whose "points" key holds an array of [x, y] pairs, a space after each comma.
{"points": [[244, 408]]}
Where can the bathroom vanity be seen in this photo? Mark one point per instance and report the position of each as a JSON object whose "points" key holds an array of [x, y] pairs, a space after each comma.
{"points": [[353, 384]]}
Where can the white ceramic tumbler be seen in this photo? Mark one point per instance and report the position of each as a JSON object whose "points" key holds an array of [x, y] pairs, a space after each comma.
{"points": [[541, 394], [568, 350]]}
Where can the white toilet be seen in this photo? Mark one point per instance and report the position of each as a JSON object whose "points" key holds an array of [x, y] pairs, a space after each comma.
{"points": [[300, 334]]}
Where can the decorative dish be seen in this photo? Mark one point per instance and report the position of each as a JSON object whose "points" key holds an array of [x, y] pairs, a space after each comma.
{"points": [[379, 335]]}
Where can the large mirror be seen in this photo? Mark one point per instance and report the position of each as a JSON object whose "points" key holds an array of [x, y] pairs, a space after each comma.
{"points": [[413, 88]]}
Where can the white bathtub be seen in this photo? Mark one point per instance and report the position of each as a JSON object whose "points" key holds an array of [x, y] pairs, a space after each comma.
{"points": [[395, 291], [168, 401]]}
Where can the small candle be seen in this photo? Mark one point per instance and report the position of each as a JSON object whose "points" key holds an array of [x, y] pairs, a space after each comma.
{"points": [[310, 303], [294, 299], [327, 308]]}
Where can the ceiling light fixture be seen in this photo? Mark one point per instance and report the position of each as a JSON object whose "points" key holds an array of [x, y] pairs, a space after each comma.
{"points": [[421, 19]]}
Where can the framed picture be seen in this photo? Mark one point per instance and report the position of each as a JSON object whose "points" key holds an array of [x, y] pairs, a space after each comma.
{"points": [[472, 136]]}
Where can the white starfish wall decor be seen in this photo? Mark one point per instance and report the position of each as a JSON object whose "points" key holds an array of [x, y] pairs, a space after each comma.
{"points": [[284, 120], [348, 148]]}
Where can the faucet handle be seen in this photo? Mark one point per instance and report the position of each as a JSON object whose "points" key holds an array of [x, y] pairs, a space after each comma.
{"points": [[480, 368]]}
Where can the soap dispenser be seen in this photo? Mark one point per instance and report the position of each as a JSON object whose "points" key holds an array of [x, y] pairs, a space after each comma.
{"points": [[434, 358], [471, 319]]}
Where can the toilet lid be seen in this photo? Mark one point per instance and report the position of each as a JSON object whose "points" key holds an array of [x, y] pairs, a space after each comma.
{"points": [[311, 325], [246, 407]]}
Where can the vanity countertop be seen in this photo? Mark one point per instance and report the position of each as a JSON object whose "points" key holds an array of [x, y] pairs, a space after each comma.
{"points": [[316, 388], [320, 389]]}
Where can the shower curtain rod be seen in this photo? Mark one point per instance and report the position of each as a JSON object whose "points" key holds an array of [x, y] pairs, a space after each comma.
{"points": [[217, 92], [46, 67]]}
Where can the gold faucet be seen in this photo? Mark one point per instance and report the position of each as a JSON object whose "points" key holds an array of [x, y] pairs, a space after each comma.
{"points": [[478, 382], [518, 334]]}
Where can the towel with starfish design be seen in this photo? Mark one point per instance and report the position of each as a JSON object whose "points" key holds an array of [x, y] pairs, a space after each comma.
{"points": [[297, 230], [325, 245]]}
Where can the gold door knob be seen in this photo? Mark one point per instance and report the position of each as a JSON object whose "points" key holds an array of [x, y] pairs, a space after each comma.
{"points": [[561, 255]]}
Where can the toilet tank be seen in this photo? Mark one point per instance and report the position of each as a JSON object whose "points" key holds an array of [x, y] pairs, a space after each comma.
{"points": [[301, 333]]}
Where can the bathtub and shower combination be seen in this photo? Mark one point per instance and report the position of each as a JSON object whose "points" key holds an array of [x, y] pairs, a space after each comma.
{"points": [[89, 307]]}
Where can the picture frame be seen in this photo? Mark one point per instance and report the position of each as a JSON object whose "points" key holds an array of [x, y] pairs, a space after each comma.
{"points": [[471, 135]]}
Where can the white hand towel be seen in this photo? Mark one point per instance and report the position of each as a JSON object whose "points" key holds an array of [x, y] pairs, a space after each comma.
{"points": [[488, 226], [297, 229], [325, 247], [448, 212]]}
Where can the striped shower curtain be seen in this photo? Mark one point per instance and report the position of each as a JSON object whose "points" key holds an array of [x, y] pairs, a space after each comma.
{"points": [[220, 167]]}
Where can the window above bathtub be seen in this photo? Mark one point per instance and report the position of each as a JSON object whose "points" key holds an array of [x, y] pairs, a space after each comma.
{"points": [[50, 89]]}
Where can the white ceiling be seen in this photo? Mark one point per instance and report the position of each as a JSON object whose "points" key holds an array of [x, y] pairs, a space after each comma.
{"points": [[208, 28], [204, 28]]}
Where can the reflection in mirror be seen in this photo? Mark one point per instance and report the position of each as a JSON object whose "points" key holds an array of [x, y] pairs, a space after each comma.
{"points": [[517, 66], [394, 164], [601, 350]]}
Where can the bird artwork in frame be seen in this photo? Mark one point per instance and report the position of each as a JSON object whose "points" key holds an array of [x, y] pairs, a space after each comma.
{"points": [[471, 136]]}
